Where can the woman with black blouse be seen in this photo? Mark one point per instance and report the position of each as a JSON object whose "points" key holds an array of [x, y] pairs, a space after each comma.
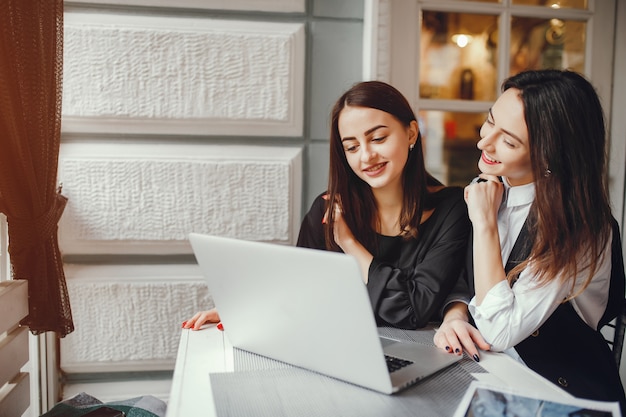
{"points": [[407, 231]]}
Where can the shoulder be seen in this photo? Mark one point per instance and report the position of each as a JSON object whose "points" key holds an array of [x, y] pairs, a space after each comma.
{"points": [[320, 202], [318, 206]]}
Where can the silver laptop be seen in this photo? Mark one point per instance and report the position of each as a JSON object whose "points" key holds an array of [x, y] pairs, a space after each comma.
{"points": [[308, 308]]}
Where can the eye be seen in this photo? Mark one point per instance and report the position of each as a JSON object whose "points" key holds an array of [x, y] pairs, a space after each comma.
{"points": [[508, 142], [379, 139], [489, 121], [350, 147]]}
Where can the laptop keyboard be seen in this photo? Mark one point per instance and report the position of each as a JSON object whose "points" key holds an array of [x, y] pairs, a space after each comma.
{"points": [[393, 364]]}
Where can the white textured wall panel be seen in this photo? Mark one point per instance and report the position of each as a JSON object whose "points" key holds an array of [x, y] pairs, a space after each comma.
{"points": [[147, 198], [128, 317], [149, 74], [284, 6]]}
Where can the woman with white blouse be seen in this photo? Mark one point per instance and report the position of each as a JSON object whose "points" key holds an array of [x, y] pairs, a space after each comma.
{"points": [[545, 269]]}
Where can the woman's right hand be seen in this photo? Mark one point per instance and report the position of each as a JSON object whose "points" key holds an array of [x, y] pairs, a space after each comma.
{"points": [[201, 318], [483, 199]]}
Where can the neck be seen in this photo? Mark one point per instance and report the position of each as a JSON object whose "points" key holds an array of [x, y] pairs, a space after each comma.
{"points": [[389, 206]]}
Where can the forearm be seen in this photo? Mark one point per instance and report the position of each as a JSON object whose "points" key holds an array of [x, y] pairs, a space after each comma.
{"points": [[363, 256], [488, 267]]}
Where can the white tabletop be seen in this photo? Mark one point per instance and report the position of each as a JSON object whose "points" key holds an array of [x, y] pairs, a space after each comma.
{"points": [[207, 351]]}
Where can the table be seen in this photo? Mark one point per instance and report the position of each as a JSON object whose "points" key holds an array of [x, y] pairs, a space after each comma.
{"points": [[207, 367]]}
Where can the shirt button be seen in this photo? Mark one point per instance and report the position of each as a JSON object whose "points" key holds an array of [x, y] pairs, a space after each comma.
{"points": [[562, 381], [535, 333]]}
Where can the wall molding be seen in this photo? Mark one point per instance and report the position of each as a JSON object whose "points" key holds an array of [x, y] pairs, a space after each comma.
{"points": [[148, 198], [284, 6], [177, 75]]}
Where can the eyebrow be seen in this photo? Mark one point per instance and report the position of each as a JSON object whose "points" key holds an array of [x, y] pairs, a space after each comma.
{"points": [[367, 132], [511, 134]]}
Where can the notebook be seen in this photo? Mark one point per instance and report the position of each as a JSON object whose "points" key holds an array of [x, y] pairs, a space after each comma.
{"points": [[308, 308]]}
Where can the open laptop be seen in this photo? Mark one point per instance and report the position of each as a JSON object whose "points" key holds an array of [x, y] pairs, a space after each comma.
{"points": [[308, 308]]}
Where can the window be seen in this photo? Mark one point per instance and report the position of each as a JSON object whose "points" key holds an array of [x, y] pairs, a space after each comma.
{"points": [[449, 57]]}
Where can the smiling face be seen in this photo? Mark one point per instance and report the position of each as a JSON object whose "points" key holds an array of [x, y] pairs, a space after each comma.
{"points": [[504, 141], [376, 145]]}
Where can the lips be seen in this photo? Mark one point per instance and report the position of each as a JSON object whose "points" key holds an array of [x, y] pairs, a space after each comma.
{"points": [[488, 160], [374, 169]]}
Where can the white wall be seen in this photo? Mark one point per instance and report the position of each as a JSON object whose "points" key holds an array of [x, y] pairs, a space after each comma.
{"points": [[151, 102], [183, 116]]}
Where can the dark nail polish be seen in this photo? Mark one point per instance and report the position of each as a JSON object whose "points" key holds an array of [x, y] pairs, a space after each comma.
{"points": [[476, 358], [447, 348], [457, 350]]}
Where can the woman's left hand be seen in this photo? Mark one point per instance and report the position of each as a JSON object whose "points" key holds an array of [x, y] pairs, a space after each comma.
{"points": [[456, 334]]}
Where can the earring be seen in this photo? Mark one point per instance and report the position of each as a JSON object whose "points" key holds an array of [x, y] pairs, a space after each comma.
{"points": [[547, 173], [411, 146]]}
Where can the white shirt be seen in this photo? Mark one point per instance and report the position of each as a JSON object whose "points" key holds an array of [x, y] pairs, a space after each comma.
{"points": [[509, 315]]}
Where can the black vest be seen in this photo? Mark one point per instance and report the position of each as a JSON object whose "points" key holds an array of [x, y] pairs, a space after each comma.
{"points": [[565, 350]]}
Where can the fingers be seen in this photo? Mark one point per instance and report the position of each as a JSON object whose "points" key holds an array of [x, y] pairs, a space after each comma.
{"points": [[201, 318], [192, 321], [478, 339], [458, 336], [449, 342], [488, 177]]}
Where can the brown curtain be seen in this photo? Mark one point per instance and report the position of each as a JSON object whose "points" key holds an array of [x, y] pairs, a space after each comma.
{"points": [[31, 63]]}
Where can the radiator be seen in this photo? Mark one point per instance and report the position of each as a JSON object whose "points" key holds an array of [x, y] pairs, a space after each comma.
{"points": [[14, 384]]}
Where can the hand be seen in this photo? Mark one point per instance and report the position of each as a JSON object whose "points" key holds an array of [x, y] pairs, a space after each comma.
{"points": [[484, 198], [201, 318], [456, 333], [342, 233]]}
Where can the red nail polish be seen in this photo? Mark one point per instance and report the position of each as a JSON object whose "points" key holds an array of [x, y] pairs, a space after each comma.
{"points": [[183, 326], [220, 326]]}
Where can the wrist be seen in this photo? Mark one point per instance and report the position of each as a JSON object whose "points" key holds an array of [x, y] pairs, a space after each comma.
{"points": [[458, 311]]}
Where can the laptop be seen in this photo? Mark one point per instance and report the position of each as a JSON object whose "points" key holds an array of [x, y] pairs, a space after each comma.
{"points": [[308, 308]]}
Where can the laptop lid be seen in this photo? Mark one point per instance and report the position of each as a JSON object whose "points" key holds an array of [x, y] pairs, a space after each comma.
{"points": [[305, 307]]}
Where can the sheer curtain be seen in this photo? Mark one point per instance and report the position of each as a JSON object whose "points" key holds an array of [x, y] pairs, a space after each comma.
{"points": [[31, 62]]}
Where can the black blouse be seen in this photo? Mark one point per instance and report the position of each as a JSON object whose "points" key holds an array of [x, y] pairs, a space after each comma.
{"points": [[409, 279]]}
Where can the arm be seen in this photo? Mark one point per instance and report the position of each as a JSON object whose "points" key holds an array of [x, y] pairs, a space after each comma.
{"points": [[312, 235], [504, 315], [483, 200], [350, 245], [509, 315]]}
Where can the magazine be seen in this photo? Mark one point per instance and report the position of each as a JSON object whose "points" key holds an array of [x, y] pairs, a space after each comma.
{"points": [[484, 400]]}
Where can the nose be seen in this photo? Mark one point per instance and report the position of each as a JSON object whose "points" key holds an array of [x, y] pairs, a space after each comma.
{"points": [[367, 153], [486, 139]]}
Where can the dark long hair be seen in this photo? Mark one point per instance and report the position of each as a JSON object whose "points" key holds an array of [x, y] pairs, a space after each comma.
{"points": [[571, 216], [352, 193]]}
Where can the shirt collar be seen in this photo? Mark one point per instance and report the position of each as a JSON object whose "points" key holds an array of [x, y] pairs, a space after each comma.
{"points": [[519, 195]]}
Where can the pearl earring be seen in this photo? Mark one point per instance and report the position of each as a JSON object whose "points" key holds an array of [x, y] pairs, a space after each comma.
{"points": [[411, 146]]}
